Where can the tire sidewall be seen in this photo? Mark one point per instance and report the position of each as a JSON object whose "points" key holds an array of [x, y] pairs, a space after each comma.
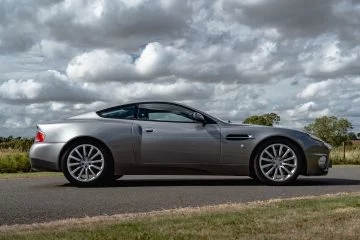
{"points": [[258, 171], [105, 175]]}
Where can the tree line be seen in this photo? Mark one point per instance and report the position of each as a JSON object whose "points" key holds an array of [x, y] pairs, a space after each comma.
{"points": [[17, 143], [331, 129]]}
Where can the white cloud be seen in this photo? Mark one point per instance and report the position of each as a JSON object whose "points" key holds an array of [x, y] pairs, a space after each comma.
{"points": [[261, 61], [330, 59], [48, 86], [22, 89], [101, 65], [307, 110], [154, 59], [342, 88], [318, 89]]}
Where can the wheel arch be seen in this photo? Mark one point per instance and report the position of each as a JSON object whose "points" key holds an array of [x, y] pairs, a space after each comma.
{"points": [[272, 138], [80, 139]]}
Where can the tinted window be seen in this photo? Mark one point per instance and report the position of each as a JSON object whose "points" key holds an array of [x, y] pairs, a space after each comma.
{"points": [[125, 112], [164, 112]]}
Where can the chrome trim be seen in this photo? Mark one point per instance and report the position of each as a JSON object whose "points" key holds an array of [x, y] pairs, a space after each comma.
{"points": [[235, 137]]}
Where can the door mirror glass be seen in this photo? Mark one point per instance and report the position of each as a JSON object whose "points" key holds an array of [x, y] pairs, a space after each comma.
{"points": [[198, 117]]}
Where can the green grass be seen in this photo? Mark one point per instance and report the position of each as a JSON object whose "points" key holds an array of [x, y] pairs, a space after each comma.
{"points": [[12, 161], [15, 164], [352, 155], [335, 217]]}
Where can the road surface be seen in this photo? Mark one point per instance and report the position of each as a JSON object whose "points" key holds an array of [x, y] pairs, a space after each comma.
{"points": [[50, 198]]}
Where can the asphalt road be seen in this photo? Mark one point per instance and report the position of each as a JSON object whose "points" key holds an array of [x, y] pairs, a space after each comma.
{"points": [[50, 198]]}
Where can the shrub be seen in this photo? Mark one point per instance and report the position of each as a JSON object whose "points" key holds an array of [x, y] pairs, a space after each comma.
{"points": [[11, 162], [352, 155]]}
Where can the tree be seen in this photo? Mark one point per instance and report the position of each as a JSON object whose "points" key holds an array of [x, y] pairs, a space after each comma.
{"points": [[330, 129], [352, 136], [358, 135], [268, 119]]}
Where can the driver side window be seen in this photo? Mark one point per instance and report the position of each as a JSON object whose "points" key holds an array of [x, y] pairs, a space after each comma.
{"points": [[164, 112]]}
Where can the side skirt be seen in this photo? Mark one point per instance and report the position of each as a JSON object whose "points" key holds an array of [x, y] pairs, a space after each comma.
{"points": [[183, 169]]}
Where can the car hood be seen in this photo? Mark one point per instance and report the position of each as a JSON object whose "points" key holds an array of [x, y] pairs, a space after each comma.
{"points": [[265, 127]]}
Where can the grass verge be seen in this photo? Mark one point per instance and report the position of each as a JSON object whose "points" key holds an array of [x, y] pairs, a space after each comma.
{"points": [[326, 217], [12, 161], [352, 155], [15, 164]]}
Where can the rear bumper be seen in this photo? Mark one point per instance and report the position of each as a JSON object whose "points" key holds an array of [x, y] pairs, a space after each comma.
{"points": [[42, 165], [45, 156]]}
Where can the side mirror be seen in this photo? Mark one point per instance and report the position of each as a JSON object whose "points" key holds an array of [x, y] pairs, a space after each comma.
{"points": [[198, 117]]}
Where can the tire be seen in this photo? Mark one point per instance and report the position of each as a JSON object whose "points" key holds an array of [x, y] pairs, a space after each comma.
{"points": [[253, 176], [87, 163], [278, 162]]}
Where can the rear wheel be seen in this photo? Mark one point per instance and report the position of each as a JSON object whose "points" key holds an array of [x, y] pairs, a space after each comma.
{"points": [[87, 163], [278, 162]]}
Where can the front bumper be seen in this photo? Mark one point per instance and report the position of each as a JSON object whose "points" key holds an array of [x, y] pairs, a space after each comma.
{"points": [[317, 166], [45, 156], [318, 160]]}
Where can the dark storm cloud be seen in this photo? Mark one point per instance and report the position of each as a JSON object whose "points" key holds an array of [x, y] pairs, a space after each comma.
{"points": [[19, 28], [114, 23], [294, 18]]}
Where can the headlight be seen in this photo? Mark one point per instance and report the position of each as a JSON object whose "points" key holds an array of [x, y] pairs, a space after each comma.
{"points": [[320, 140]]}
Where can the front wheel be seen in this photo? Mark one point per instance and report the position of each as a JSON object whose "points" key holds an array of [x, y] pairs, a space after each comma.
{"points": [[87, 164], [278, 163]]}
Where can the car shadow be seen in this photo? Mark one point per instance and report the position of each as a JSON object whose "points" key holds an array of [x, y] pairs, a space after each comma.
{"points": [[222, 182], [184, 182], [325, 182]]}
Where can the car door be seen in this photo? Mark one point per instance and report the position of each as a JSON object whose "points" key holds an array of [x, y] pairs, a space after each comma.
{"points": [[167, 134], [120, 139]]}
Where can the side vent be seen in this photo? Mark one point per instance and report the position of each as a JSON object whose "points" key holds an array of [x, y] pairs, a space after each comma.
{"points": [[238, 137]]}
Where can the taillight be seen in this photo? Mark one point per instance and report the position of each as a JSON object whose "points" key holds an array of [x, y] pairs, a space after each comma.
{"points": [[40, 136]]}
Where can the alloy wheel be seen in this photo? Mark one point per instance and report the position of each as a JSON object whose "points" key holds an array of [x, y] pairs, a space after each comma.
{"points": [[278, 162], [85, 162]]}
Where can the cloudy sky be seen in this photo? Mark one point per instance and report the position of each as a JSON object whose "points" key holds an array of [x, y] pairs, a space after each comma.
{"points": [[297, 58]]}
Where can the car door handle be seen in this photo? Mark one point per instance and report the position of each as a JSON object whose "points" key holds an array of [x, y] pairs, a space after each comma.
{"points": [[149, 129]]}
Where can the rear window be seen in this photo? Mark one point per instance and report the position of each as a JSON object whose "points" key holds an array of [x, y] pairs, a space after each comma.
{"points": [[124, 112]]}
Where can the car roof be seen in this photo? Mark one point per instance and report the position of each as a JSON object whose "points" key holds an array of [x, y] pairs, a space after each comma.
{"points": [[165, 102], [151, 102]]}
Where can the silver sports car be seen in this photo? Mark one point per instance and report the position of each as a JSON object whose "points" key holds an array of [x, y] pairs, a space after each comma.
{"points": [[171, 138]]}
